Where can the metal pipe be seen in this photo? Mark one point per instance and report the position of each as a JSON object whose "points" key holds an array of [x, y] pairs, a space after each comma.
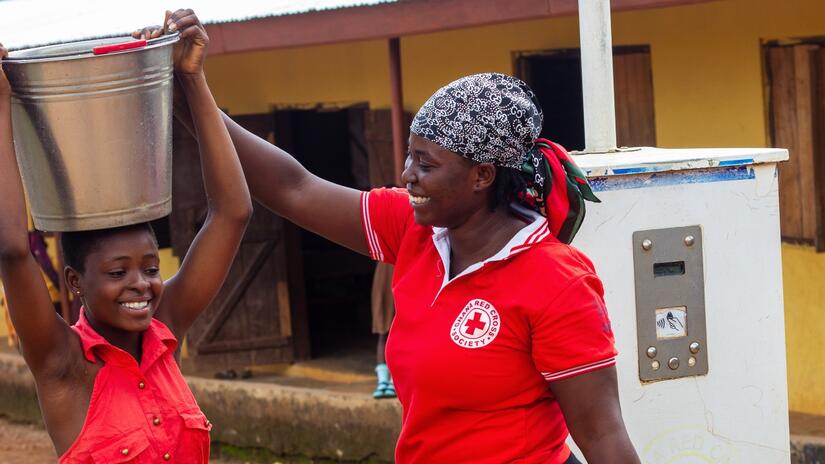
{"points": [[597, 76], [397, 113]]}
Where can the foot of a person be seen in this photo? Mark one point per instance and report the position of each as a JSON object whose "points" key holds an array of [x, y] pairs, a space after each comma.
{"points": [[385, 387]]}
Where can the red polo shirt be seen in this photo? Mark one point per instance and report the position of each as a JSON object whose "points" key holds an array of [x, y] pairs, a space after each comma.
{"points": [[471, 357], [139, 413]]}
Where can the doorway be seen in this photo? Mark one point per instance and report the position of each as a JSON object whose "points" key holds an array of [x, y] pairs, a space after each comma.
{"points": [[331, 144]]}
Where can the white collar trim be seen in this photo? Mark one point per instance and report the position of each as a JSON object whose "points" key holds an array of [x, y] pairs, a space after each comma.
{"points": [[530, 234]]}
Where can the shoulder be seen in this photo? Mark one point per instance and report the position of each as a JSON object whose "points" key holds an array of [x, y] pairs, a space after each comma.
{"points": [[386, 201], [559, 262], [562, 279]]}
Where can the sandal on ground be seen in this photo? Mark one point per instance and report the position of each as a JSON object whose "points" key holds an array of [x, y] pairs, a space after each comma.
{"points": [[385, 387]]}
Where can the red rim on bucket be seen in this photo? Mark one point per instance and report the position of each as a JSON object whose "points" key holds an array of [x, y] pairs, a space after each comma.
{"points": [[104, 49]]}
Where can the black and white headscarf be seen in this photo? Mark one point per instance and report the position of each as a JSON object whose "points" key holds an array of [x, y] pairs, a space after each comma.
{"points": [[488, 118]]}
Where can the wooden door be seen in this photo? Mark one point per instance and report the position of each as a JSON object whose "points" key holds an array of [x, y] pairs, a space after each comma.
{"points": [[796, 76], [250, 322]]}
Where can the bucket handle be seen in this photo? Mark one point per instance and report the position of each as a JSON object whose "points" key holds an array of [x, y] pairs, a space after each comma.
{"points": [[104, 49]]}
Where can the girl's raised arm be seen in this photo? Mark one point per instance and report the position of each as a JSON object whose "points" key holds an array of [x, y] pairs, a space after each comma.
{"points": [[44, 336], [210, 257]]}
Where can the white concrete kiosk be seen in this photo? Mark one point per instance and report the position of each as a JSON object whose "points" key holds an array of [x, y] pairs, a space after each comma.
{"points": [[724, 397]]}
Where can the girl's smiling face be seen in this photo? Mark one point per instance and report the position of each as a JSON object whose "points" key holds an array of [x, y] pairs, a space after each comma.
{"points": [[121, 285]]}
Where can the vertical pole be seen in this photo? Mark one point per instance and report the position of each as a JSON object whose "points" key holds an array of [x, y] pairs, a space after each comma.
{"points": [[398, 142], [597, 75]]}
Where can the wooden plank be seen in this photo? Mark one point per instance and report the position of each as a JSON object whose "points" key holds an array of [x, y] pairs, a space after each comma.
{"points": [[378, 134], [635, 113], [399, 145], [818, 67], [359, 154], [273, 341], [294, 261], [299, 316], [235, 359], [382, 21], [783, 114], [804, 137], [282, 291]]}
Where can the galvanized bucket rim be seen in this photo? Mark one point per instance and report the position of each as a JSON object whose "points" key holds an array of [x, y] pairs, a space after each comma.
{"points": [[20, 56]]}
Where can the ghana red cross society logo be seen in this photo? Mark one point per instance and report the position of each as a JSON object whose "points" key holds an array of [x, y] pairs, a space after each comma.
{"points": [[476, 326]]}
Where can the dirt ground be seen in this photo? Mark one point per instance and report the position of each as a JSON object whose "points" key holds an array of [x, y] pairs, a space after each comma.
{"points": [[24, 443]]}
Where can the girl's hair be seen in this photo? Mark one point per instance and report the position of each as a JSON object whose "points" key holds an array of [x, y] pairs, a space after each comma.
{"points": [[506, 187], [76, 246]]}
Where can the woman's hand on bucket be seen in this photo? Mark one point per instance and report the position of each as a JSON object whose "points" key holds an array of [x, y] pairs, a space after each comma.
{"points": [[190, 51]]}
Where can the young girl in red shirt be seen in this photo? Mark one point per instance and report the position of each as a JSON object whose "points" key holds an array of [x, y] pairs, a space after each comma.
{"points": [[109, 387]]}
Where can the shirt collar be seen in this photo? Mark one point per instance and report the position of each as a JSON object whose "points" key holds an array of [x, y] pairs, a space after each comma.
{"points": [[157, 340], [534, 232]]}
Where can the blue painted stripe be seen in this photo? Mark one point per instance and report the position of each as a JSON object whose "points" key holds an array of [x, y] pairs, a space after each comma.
{"points": [[622, 171], [735, 162], [661, 179]]}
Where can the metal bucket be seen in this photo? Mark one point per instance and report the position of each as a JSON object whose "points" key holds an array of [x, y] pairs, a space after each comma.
{"points": [[93, 131]]}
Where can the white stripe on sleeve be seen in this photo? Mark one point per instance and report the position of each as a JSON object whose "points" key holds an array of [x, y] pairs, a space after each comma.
{"points": [[372, 237], [573, 371]]}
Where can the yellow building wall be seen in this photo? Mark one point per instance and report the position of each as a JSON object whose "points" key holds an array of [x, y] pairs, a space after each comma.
{"points": [[708, 90]]}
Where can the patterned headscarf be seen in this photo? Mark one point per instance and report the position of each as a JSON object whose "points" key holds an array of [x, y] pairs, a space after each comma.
{"points": [[488, 118], [496, 118]]}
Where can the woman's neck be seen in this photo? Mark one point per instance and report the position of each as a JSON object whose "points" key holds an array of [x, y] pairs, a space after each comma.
{"points": [[480, 237]]}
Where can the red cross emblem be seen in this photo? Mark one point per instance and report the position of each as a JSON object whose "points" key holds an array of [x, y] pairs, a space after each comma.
{"points": [[476, 326]]}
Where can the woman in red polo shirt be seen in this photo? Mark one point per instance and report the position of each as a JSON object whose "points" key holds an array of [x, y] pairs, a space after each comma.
{"points": [[501, 341]]}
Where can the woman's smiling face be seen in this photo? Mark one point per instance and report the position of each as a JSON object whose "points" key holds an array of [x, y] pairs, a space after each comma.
{"points": [[441, 184], [121, 285]]}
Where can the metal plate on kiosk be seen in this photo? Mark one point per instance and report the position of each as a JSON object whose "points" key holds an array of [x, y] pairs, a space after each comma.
{"points": [[670, 303]]}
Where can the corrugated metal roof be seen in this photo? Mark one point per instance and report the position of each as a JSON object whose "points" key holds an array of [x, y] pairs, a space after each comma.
{"points": [[27, 23]]}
